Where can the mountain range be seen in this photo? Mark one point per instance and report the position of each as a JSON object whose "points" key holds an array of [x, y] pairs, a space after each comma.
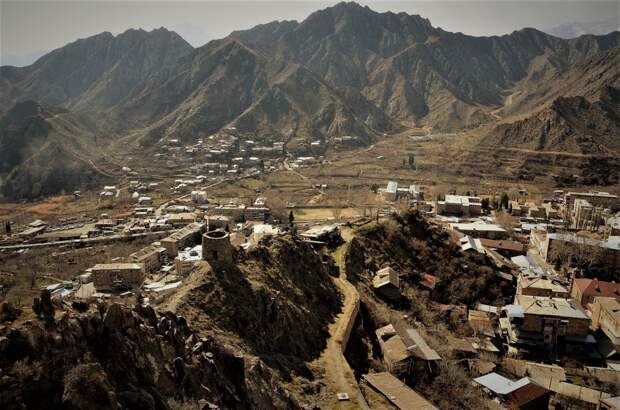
{"points": [[345, 69]]}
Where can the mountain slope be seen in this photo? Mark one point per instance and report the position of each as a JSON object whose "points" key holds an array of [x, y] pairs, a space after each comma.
{"points": [[227, 83], [569, 124], [44, 151], [414, 72], [95, 73]]}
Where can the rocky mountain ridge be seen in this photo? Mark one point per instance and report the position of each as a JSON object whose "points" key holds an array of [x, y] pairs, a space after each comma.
{"points": [[344, 70], [568, 124]]}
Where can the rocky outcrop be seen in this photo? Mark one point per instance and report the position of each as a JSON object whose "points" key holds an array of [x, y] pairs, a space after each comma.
{"points": [[278, 302], [414, 247], [113, 356]]}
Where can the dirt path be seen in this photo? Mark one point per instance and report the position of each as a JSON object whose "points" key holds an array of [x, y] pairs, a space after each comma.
{"points": [[338, 374]]}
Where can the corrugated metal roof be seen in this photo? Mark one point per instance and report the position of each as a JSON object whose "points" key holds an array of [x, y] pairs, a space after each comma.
{"points": [[500, 385], [397, 392]]}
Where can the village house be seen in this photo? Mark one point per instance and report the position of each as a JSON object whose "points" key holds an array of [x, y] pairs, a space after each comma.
{"points": [[259, 231], [181, 219], [240, 212], [186, 260], [145, 200], [217, 222], [521, 394], [480, 230], [459, 205], [531, 284], [535, 211], [386, 283], [391, 191], [187, 236], [117, 276], [149, 257], [586, 291], [329, 234], [504, 247], [404, 349], [551, 211], [545, 322], [428, 281]]}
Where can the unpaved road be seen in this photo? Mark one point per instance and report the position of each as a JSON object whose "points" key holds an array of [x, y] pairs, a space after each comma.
{"points": [[338, 374]]}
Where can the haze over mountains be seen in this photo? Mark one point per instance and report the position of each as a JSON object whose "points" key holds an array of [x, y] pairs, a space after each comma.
{"points": [[344, 70]]}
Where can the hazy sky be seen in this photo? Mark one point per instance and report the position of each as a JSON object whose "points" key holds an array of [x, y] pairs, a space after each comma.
{"points": [[29, 28]]}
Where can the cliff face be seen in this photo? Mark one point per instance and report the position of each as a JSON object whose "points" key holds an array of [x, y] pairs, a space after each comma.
{"points": [[239, 336], [116, 357], [277, 302]]}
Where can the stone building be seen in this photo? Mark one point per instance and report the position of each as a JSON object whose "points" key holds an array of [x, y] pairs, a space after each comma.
{"points": [[216, 247], [187, 236], [117, 276], [150, 257]]}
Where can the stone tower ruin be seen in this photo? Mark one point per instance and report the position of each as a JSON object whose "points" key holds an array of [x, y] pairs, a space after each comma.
{"points": [[216, 247]]}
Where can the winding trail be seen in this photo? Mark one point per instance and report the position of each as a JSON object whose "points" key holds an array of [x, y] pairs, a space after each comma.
{"points": [[339, 376]]}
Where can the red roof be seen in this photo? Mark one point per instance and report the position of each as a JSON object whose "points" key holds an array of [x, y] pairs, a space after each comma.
{"points": [[595, 287], [429, 281], [506, 245], [526, 394]]}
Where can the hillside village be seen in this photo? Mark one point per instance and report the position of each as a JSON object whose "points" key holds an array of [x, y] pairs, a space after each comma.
{"points": [[544, 334]]}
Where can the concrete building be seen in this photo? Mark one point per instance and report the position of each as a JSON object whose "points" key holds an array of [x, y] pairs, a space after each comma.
{"points": [[517, 209], [481, 230], [606, 317], [117, 276], [240, 212], [585, 216], [545, 322], [145, 201], [391, 191], [149, 257], [459, 205], [181, 219], [552, 245], [602, 199], [551, 211], [216, 247], [186, 260], [535, 211], [187, 236], [199, 197], [541, 285]]}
